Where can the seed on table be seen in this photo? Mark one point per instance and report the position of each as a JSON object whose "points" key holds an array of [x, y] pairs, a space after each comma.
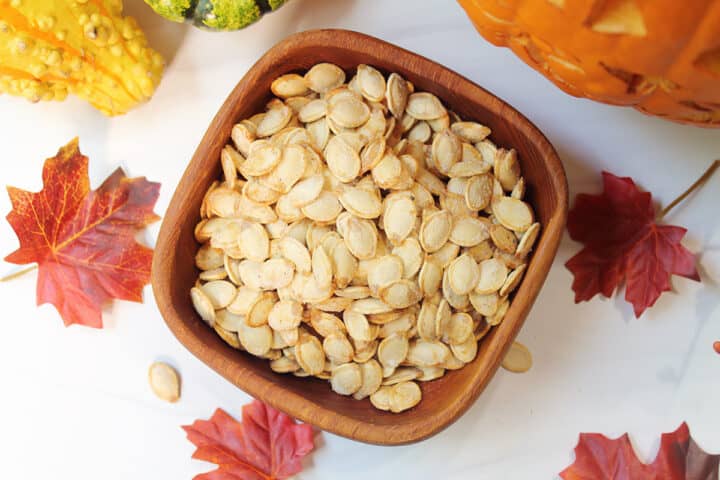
{"points": [[518, 359], [164, 381]]}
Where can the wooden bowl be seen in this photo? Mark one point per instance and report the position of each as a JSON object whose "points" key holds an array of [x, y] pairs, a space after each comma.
{"points": [[311, 400]]}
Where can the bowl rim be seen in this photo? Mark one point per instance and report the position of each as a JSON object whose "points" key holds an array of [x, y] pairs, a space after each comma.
{"points": [[290, 402]]}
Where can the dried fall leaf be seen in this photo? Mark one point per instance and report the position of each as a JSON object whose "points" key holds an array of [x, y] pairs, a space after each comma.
{"points": [[83, 241], [679, 458], [267, 445], [623, 242]]}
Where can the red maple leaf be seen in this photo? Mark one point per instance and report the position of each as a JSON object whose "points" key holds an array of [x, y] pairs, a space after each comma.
{"points": [[623, 242], [267, 445], [600, 458], [83, 241]]}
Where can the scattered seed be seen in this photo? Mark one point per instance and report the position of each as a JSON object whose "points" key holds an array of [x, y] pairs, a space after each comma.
{"points": [[164, 381], [518, 359]]}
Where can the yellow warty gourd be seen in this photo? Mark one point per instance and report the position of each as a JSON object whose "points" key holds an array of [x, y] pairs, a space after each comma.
{"points": [[86, 47]]}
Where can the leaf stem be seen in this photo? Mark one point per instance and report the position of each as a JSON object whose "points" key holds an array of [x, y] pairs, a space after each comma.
{"points": [[708, 173], [18, 273]]}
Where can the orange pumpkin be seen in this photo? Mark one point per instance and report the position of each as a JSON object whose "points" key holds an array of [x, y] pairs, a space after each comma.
{"points": [[659, 56]]}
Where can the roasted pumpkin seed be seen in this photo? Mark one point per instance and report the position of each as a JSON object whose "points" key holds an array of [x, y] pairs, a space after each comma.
{"points": [[391, 227], [164, 382]]}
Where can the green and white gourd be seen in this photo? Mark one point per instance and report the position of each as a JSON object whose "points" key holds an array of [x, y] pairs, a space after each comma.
{"points": [[218, 15]]}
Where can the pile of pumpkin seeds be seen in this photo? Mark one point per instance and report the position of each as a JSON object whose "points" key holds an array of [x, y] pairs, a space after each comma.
{"points": [[362, 234]]}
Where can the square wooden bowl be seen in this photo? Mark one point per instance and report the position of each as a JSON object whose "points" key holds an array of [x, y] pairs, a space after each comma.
{"points": [[311, 400]]}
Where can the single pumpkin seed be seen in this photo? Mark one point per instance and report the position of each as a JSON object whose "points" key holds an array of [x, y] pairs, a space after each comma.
{"points": [[424, 106], [346, 379], [324, 77], [518, 359], [164, 382]]}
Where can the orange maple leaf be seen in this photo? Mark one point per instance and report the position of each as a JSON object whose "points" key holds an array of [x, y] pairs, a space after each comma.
{"points": [[83, 240]]}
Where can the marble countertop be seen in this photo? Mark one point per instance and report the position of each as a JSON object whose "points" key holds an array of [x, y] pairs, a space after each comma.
{"points": [[76, 404]]}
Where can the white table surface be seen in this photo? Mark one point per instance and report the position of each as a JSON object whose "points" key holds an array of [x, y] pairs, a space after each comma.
{"points": [[75, 401]]}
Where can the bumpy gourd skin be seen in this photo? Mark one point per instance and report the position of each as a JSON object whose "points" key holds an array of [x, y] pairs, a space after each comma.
{"points": [[49, 48], [220, 15]]}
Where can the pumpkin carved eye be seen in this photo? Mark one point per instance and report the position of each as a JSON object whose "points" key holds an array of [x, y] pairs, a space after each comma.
{"points": [[617, 17]]}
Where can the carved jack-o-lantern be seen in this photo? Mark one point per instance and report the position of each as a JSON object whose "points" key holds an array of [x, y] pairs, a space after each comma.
{"points": [[659, 56]]}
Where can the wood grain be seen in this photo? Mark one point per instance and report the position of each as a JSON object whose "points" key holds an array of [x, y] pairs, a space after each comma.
{"points": [[311, 400]]}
